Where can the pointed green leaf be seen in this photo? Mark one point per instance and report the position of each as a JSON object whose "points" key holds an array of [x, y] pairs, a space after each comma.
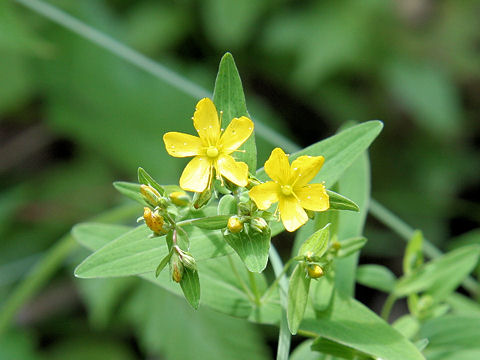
{"points": [[163, 263], [340, 202], [317, 243], [252, 247], [298, 288], [211, 222], [350, 246], [145, 178], [339, 150], [333, 348], [229, 98], [131, 190], [191, 287], [376, 277], [413, 258]]}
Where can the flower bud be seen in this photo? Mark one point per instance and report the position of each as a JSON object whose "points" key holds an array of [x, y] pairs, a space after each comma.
{"points": [[244, 208], [336, 245], [154, 221], [315, 271], [201, 199], [176, 268], [151, 195], [179, 198], [188, 260], [235, 225], [259, 224]]}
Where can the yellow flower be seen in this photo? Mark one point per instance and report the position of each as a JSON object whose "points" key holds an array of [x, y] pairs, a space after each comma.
{"points": [[211, 150], [290, 188]]}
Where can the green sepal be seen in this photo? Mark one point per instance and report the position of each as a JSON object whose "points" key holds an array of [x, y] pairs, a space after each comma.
{"points": [[163, 263], [211, 222], [298, 288], [252, 246], [350, 246], [317, 243], [340, 202], [131, 190], [190, 285], [145, 178], [229, 98]]}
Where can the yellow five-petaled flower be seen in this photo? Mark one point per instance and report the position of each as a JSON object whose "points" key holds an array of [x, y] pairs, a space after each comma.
{"points": [[211, 149], [290, 188]]}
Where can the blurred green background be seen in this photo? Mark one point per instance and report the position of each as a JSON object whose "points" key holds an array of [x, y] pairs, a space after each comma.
{"points": [[74, 118]]}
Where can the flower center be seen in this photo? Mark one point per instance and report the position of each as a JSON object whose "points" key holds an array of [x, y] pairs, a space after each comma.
{"points": [[212, 152], [287, 190]]}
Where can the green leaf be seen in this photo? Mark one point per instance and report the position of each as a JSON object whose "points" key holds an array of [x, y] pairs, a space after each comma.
{"points": [[145, 178], [352, 324], [321, 292], [252, 246], [298, 288], [93, 235], [191, 287], [131, 190], [407, 325], [229, 98], [339, 150], [333, 348], [136, 253], [413, 258], [317, 243], [441, 276], [211, 222], [340, 202], [351, 246], [377, 277], [163, 263], [227, 205]]}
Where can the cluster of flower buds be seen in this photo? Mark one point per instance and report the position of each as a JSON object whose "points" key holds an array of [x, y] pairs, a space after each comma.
{"points": [[155, 221], [236, 223], [179, 261]]}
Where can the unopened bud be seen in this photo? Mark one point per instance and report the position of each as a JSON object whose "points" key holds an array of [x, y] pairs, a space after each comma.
{"points": [[244, 208], [336, 245], [315, 271], [151, 195], [154, 221], [201, 199], [234, 224], [188, 260], [176, 268], [179, 198], [259, 224]]}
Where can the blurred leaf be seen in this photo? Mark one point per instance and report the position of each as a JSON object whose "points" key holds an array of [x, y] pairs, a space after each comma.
{"points": [[89, 348], [407, 325], [130, 190], [93, 235], [332, 348], [191, 287], [351, 246], [298, 287], [303, 352], [413, 257], [376, 276], [228, 97], [17, 345]]}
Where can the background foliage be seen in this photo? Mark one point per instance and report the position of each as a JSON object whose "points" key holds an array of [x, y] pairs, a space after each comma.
{"points": [[74, 118]]}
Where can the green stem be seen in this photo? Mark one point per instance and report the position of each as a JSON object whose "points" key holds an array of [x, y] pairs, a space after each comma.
{"points": [[48, 264], [253, 284], [406, 232], [246, 289], [270, 289], [387, 307], [284, 335]]}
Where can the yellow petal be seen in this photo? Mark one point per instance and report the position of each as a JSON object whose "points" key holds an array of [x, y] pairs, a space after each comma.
{"points": [[278, 167], [291, 212], [235, 171], [182, 145], [205, 120], [237, 132], [313, 197], [305, 168], [196, 175], [264, 195]]}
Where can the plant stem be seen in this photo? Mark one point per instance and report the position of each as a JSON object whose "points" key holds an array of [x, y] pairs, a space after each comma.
{"points": [[249, 294], [272, 286], [284, 335], [253, 284], [406, 232], [48, 264], [387, 307]]}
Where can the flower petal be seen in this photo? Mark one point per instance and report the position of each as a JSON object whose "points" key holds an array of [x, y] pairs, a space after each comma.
{"points": [[237, 132], [205, 120], [313, 197], [196, 175], [182, 145], [305, 168], [291, 212], [264, 195], [278, 167], [235, 171]]}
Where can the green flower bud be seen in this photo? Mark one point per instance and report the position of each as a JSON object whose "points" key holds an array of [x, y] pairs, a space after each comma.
{"points": [[315, 271], [244, 208], [259, 224], [176, 267], [179, 198], [201, 199], [151, 195], [188, 260], [235, 225]]}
